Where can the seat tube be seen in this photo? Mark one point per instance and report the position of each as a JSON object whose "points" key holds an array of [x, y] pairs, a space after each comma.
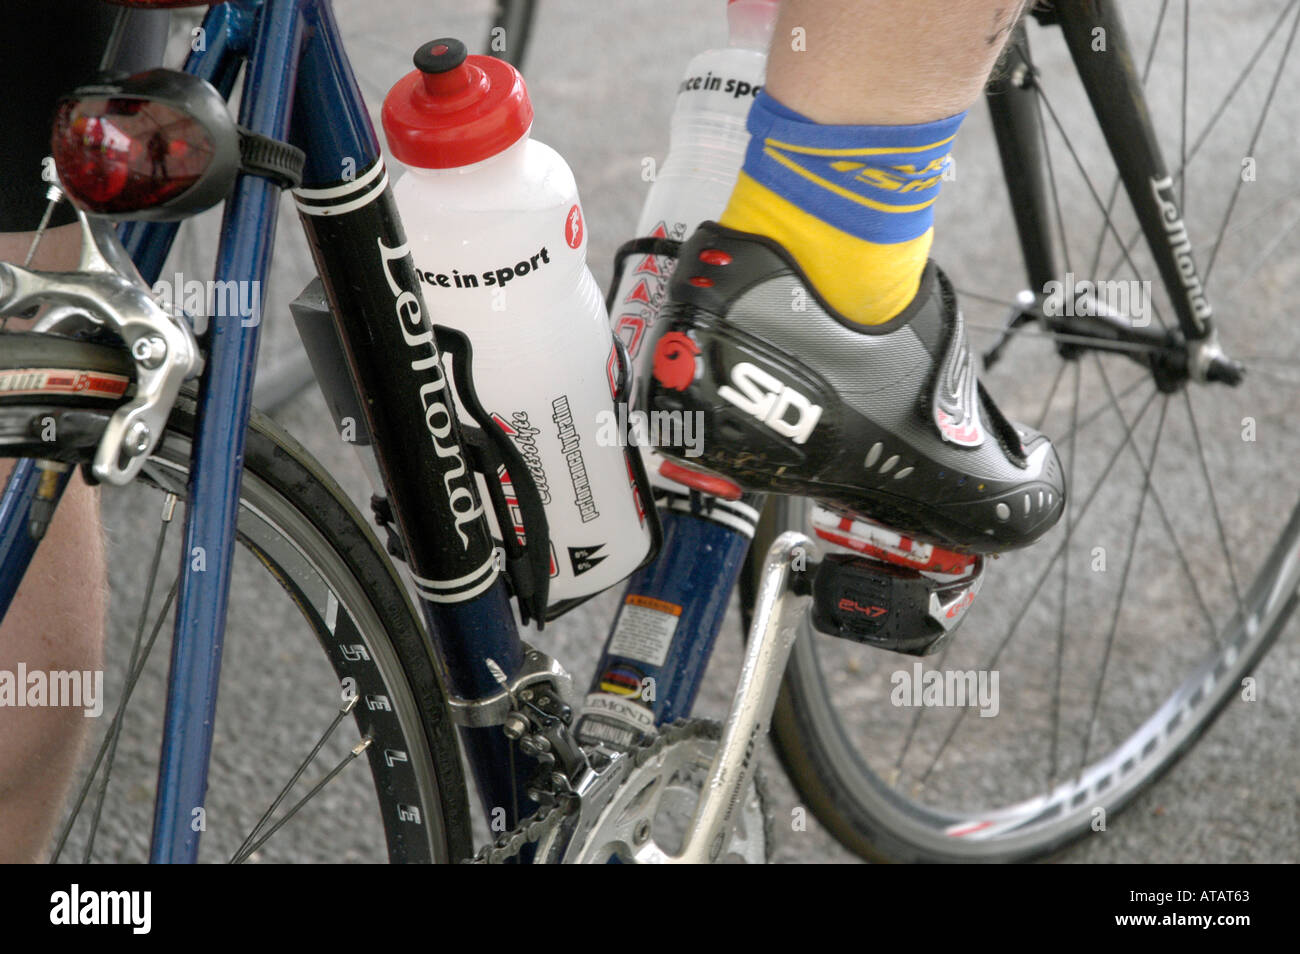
{"points": [[672, 610]]}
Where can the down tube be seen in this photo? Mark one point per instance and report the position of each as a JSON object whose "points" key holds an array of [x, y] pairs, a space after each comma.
{"points": [[347, 210], [672, 610]]}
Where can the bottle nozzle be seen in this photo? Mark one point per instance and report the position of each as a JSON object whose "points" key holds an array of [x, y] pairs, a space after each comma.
{"points": [[454, 109], [443, 64]]}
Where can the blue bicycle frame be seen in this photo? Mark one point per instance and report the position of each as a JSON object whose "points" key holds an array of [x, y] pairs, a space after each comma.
{"points": [[293, 55]]}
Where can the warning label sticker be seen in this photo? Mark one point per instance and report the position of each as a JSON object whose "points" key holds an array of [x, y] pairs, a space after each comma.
{"points": [[645, 629]]}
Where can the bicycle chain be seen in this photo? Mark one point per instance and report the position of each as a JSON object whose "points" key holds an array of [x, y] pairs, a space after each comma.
{"points": [[508, 845]]}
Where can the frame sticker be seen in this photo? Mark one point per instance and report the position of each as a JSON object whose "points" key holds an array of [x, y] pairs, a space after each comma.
{"points": [[615, 720], [645, 629]]}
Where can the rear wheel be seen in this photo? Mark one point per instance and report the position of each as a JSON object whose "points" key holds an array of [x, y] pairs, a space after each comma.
{"points": [[1118, 638]]}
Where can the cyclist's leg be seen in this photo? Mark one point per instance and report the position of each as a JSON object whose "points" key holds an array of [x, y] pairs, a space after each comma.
{"points": [[857, 93], [824, 350], [56, 620], [887, 63]]}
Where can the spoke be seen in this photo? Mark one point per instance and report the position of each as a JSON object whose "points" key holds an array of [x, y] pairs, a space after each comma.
{"points": [[1259, 260], [991, 299], [1060, 336], [315, 790], [1092, 190], [126, 692], [1038, 584], [1250, 151], [1051, 393], [320, 744], [1065, 587], [916, 722], [1216, 115], [1123, 585], [1164, 518], [1274, 203], [1102, 409], [1236, 85], [1214, 505], [168, 510]]}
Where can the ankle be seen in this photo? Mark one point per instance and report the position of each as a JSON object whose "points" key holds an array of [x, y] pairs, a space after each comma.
{"points": [[866, 283], [853, 205]]}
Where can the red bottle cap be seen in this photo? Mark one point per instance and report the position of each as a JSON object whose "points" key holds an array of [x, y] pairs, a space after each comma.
{"points": [[453, 109]]}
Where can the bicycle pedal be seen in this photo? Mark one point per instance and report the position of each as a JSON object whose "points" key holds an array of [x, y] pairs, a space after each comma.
{"points": [[863, 535], [891, 606]]}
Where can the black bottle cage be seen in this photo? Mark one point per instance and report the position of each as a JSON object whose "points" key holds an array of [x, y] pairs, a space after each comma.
{"points": [[490, 452], [637, 246], [645, 500], [493, 454]]}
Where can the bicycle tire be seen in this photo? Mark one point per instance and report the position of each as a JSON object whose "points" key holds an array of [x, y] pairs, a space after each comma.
{"points": [[872, 826], [285, 484]]}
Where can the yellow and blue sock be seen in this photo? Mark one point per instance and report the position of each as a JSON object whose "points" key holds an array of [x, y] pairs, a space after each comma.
{"points": [[854, 205]]}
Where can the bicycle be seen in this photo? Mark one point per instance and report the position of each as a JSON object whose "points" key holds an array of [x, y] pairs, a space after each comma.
{"points": [[429, 668]]}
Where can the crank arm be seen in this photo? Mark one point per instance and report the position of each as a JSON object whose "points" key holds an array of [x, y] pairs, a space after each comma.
{"points": [[778, 609]]}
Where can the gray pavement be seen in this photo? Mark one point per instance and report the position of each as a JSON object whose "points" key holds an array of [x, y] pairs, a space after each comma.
{"points": [[602, 78]]}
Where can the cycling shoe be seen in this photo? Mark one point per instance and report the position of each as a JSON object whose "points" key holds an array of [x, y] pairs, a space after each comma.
{"points": [[889, 420]]}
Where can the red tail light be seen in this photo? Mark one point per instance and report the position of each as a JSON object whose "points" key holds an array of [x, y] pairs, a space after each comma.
{"points": [[158, 145], [121, 155]]}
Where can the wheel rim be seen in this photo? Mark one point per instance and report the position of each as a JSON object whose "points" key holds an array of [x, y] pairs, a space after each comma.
{"points": [[317, 587]]}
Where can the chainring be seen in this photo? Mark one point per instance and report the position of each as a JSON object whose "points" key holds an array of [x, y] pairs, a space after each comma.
{"points": [[637, 810]]}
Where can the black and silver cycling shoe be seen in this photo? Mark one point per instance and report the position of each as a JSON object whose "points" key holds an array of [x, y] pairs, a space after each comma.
{"points": [[888, 420]]}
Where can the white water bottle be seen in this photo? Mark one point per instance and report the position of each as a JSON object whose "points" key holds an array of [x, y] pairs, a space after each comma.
{"points": [[706, 149], [497, 236]]}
